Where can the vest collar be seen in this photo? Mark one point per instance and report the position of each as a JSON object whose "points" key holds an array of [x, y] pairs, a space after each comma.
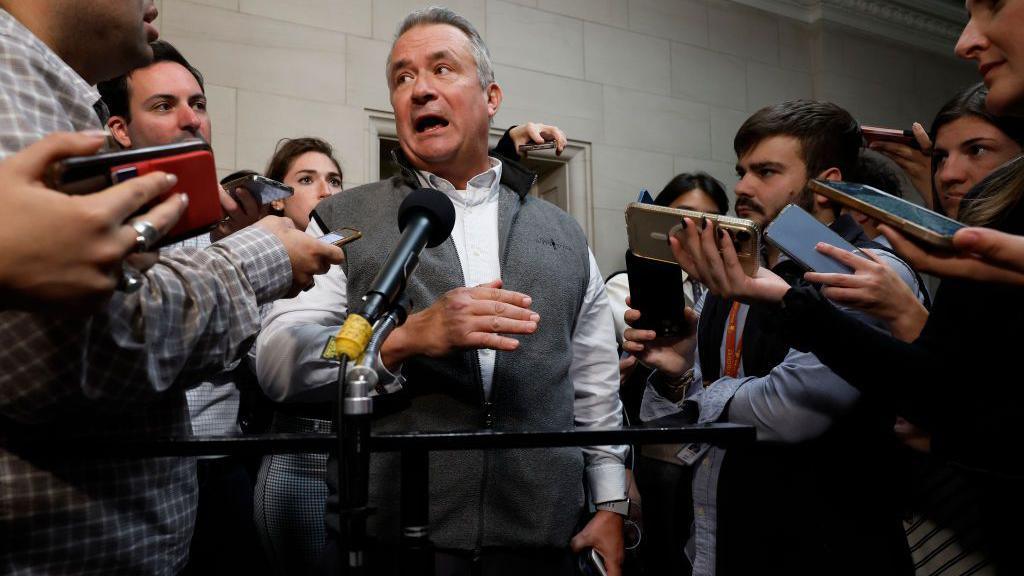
{"points": [[515, 176]]}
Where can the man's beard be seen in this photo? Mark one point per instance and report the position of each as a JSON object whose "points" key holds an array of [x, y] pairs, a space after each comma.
{"points": [[805, 200]]}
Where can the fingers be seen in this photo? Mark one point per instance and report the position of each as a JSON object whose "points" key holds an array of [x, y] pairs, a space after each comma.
{"points": [[922, 137], [128, 197], [502, 325], [490, 291], [166, 214], [682, 256], [842, 280], [33, 161], [163, 217], [502, 309], [844, 256], [227, 202], [492, 341], [712, 256], [730, 259], [247, 202], [631, 315], [844, 295], [998, 247], [910, 252], [556, 134], [328, 254], [897, 152]]}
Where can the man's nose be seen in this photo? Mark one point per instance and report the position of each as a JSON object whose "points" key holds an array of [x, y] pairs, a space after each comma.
{"points": [[189, 120], [423, 89]]}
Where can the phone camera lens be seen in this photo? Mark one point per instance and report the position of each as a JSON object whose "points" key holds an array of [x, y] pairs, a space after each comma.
{"points": [[742, 236]]}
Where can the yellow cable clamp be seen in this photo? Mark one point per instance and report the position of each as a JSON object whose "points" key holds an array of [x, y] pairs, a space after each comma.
{"points": [[351, 339]]}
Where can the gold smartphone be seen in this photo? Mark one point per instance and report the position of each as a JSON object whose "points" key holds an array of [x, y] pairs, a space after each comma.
{"points": [[342, 236], [649, 227]]}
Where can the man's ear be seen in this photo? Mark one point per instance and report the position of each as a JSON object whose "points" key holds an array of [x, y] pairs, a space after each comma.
{"points": [[119, 129], [835, 175], [494, 97]]}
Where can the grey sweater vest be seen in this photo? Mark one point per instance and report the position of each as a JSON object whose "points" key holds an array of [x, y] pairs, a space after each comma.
{"points": [[482, 498]]}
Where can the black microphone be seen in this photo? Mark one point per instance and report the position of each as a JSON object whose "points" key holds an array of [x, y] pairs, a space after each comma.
{"points": [[426, 218]]}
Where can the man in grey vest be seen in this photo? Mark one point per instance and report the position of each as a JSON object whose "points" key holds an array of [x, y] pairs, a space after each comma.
{"points": [[514, 266]]}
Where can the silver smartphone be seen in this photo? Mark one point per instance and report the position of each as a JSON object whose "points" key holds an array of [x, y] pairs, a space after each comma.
{"points": [[796, 233], [264, 190]]}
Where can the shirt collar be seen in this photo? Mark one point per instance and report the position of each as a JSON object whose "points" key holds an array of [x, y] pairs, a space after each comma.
{"points": [[11, 30], [481, 188]]}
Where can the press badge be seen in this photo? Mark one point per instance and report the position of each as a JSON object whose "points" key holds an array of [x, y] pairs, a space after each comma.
{"points": [[690, 453]]}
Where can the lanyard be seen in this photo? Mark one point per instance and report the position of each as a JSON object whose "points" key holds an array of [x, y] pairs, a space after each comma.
{"points": [[733, 344]]}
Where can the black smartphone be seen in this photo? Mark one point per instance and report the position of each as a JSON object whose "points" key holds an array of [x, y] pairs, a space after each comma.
{"points": [[656, 290], [591, 563], [88, 174], [796, 233], [263, 190], [533, 146], [915, 221]]}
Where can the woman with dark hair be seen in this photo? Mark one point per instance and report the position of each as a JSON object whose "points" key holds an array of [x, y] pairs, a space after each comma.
{"points": [[969, 143], [290, 490], [308, 165]]}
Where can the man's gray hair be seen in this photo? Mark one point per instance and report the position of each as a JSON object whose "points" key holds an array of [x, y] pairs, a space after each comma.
{"points": [[443, 15]]}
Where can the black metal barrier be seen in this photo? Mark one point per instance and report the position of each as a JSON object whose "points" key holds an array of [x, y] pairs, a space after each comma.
{"points": [[668, 430], [416, 553]]}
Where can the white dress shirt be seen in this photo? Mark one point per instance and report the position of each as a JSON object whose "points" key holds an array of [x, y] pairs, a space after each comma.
{"points": [[295, 331]]}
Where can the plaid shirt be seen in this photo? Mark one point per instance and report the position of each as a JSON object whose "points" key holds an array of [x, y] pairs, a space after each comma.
{"points": [[119, 372]]}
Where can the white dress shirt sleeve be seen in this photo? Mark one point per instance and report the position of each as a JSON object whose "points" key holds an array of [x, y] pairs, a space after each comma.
{"points": [[595, 376], [295, 331]]}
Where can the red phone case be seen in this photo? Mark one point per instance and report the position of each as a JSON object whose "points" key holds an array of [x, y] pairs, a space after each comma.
{"points": [[197, 177]]}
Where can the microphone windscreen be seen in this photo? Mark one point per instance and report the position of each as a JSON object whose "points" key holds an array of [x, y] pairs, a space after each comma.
{"points": [[434, 205]]}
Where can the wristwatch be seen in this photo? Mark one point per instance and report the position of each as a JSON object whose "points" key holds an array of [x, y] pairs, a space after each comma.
{"points": [[620, 507]]}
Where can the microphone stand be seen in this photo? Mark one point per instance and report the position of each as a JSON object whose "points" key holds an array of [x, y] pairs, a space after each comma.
{"points": [[355, 412]]}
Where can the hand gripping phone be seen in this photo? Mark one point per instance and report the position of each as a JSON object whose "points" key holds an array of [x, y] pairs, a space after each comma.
{"points": [[649, 227], [191, 161], [532, 146], [915, 221], [342, 236], [263, 190], [591, 563], [796, 233], [874, 134], [656, 290]]}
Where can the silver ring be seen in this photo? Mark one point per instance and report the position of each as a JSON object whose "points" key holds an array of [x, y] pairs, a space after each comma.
{"points": [[147, 235], [131, 280]]}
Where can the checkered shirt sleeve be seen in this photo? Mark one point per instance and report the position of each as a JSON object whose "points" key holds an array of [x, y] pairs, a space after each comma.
{"points": [[119, 372]]}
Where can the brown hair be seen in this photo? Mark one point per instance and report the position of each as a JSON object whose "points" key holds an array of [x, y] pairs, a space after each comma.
{"points": [[992, 199], [829, 136], [288, 149]]}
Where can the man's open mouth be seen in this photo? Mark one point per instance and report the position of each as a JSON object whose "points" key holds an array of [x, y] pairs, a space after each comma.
{"points": [[429, 123]]}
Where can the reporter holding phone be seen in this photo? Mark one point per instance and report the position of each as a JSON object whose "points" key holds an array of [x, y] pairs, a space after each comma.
{"points": [[122, 370], [811, 423], [74, 261]]}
